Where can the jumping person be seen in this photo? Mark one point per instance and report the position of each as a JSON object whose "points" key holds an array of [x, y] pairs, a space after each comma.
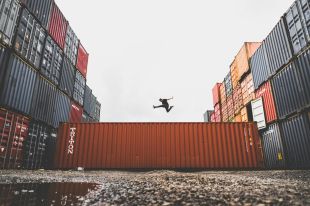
{"points": [[165, 104]]}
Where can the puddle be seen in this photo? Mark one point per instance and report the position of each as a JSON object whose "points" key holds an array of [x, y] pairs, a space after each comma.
{"points": [[44, 194]]}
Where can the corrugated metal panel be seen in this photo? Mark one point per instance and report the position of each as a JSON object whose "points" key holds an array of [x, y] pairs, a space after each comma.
{"points": [[234, 74], [18, 88], [224, 111], [217, 113], [273, 147], [265, 91], [35, 145], [222, 92], [14, 130], [230, 107], [278, 48], [260, 66], [213, 117], [228, 85], [97, 111], [82, 60], [258, 113], [9, 10], [43, 102], [87, 100], [247, 89], [67, 78], [238, 101], [207, 115], [62, 108], [30, 38], [41, 9], [238, 118], [304, 65], [244, 115], [4, 55], [58, 26], [71, 45], [79, 88], [158, 145], [52, 61], [216, 93], [296, 138], [288, 91], [50, 149], [75, 113]]}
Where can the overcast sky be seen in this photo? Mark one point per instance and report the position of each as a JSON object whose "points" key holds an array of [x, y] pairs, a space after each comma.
{"points": [[141, 50]]}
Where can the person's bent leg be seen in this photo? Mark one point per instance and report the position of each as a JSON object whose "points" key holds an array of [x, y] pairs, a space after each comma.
{"points": [[169, 109], [158, 106]]}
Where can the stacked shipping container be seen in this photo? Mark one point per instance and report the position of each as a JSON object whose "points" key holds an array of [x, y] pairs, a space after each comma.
{"points": [[43, 70]]}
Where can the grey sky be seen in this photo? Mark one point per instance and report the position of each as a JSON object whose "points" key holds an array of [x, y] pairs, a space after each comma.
{"points": [[141, 50]]}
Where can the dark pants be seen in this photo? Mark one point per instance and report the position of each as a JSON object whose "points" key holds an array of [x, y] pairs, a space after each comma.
{"points": [[166, 106]]}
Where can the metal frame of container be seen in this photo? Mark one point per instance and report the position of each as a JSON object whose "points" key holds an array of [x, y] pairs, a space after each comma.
{"points": [[158, 146], [71, 45], [79, 88]]}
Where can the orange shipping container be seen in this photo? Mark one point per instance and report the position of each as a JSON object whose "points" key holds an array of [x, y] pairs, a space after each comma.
{"points": [[222, 92], [224, 111], [230, 107], [158, 146], [237, 95], [247, 89], [244, 115], [234, 74], [238, 118], [216, 93]]}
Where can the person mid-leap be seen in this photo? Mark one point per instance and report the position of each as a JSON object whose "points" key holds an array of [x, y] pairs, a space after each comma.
{"points": [[165, 104]]}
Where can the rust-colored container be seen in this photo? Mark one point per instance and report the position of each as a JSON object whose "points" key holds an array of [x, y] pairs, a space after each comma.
{"points": [[222, 92], [247, 89], [234, 74], [265, 91], [230, 107], [158, 146], [82, 60], [243, 57], [58, 26], [238, 118], [218, 113], [216, 93], [213, 117], [244, 114], [237, 96], [224, 111], [76, 113]]}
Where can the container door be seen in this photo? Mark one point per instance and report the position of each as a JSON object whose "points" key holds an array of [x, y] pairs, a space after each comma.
{"points": [[258, 113]]}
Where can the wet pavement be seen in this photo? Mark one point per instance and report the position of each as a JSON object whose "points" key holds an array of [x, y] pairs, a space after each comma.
{"points": [[154, 188]]}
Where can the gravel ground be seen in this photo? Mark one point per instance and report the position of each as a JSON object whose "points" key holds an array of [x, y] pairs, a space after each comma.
{"points": [[180, 188]]}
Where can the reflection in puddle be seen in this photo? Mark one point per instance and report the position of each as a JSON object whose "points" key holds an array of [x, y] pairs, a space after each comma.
{"points": [[44, 194]]}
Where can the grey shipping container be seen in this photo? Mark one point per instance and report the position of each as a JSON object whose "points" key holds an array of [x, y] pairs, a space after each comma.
{"points": [[97, 111], [67, 78], [86, 118], [35, 145], [18, 86], [41, 9], [304, 65], [278, 47], [50, 149], [288, 91], [71, 45], [9, 10], [296, 138], [62, 108], [4, 55], [43, 102], [51, 61], [79, 88], [30, 38], [87, 100], [260, 66], [228, 85], [273, 147]]}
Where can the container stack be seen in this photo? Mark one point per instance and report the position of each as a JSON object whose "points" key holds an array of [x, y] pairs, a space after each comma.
{"points": [[43, 68], [280, 72]]}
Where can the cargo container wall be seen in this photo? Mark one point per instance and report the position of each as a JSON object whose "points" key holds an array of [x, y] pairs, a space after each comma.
{"points": [[296, 138], [224, 111], [43, 102], [50, 149], [258, 113], [228, 85], [265, 91], [87, 100], [14, 130], [213, 117], [288, 91], [82, 60], [238, 118], [62, 108], [58, 26], [51, 61], [304, 65], [244, 114], [218, 113], [4, 55], [67, 78], [207, 115], [234, 74], [41, 9], [216, 93], [75, 113], [71, 45], [260, 66], [247, 89], [9, 10], [222, 92], [230, 107], [97, 111], [19, 83], [273, 147], [30, 38], [237, 98], [158, 145], [79, 88], [278, 47]]}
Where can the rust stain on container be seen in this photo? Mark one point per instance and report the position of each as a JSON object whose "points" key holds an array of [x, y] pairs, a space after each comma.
{"points": [[158, 145]]}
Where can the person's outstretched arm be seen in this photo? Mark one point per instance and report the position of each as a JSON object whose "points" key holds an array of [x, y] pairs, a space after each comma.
{"points": [[170, 98]]}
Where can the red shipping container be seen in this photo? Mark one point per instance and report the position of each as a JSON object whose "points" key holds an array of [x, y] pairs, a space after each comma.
{"points": [[218, 113], [237, 96], [213, 117], [58, 26], [216, 93], [82, 60], [76, 113], [265, 91], [14, 131], [158, 146]]}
